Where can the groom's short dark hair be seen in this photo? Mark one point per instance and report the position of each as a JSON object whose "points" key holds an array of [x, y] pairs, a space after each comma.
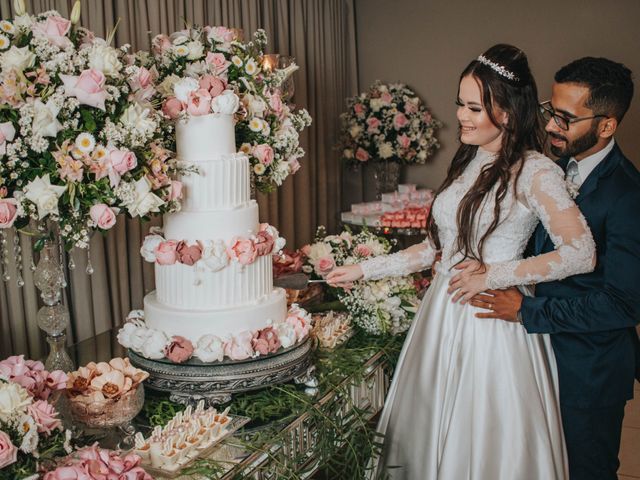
{"points": [[610, 84]]}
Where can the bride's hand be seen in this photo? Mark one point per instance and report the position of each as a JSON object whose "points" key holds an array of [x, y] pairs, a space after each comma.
{"points": [[471, 280], [344, 276]]}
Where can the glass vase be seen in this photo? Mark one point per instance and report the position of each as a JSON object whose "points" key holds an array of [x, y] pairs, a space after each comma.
{"points": [[386, 174], [53, 316]]}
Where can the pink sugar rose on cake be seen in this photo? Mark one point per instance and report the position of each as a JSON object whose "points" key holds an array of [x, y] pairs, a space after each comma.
{"points": [[88, 87], [188, 254], [266, 341], [263, 243], [242, 250], [199, 102], [212, 84], [172, 107], [179, 349], [166, 252], [239, 346]]}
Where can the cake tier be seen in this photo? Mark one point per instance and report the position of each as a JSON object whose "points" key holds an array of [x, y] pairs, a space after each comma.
{"points": [[193, 324], [205, 137], [184, 286], [215, 224], [221, 183]]}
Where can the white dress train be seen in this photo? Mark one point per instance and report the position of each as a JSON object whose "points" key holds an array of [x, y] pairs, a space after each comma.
{"points": [[477, 399]]}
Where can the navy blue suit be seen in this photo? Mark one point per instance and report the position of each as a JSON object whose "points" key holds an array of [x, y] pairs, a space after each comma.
{"points": [[592, 318]]}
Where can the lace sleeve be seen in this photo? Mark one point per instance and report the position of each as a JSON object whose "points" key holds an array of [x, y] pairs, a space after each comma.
{"points": [[545, 193], [413, 259]]}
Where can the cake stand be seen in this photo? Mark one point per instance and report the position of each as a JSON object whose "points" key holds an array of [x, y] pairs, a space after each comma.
{"points": [[216, 382]]}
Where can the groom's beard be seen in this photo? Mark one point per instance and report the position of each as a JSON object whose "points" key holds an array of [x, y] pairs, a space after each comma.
{"points": [[576, 147]]}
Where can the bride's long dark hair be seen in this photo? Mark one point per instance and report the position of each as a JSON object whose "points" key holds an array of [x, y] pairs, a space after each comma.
{"points": [[518, 98]]}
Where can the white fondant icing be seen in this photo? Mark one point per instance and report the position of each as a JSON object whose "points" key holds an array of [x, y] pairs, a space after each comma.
{"points": [[205, 137], [215, 224], [185, 286], [221, 184], [194, 324]]}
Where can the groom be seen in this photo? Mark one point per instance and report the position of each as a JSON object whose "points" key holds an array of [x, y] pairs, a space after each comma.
{"points": [[591, 317]]}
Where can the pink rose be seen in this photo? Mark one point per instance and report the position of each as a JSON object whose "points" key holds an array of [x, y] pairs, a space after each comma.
{"points": [[199, 102], [122, 161], [188, 254], [55, 29], [88, 87], [264, 153], [166, 252], [294, 165], [410, 107], [212, 84], [362, 154], [172, 107], [220, 34], [239, 346], [8, 212], [326, 264], [263, 243], [160, 44], [404, 141], [45, 416], [275, 102], [243, 250], [358, 108], [386, 97], [373, 124], [179, 349], [266, 341], [399, 121], [8, 451], [363, 250], [426, 117], [176, 190], [217, 60], [103, 216]]}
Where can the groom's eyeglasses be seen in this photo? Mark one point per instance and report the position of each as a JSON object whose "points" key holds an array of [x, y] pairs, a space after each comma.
{"points": [[548, 112]]}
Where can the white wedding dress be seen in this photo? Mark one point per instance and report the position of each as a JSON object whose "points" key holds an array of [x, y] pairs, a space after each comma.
{"points": [[477, 399]]}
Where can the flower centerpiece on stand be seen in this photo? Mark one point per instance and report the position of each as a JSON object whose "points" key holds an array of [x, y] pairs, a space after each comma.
{"points": [[388, 124], [379, 307], [197, 66]]}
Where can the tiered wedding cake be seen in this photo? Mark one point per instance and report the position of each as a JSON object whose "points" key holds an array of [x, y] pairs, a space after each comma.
{"points": [[214, 292]]}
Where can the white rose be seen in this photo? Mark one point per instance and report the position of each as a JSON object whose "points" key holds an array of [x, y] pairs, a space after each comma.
{"points": [[44, 195], [144, 201], [286, 334], [214, 255], [166, 88], [45, 119], [148, 247], [18, 59], [105, 58], [209, 348], [318, 250], [196, 50], [385, 150], [183, 87], [154, 343], [226, 103], [136, 117], [13, 399]]}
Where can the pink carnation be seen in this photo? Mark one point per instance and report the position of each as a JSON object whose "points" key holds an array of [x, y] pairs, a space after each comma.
{"points": [[179, 349], [166, 252], [188, 254]]}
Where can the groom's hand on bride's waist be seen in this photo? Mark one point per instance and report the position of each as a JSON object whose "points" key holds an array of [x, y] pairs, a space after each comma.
{"points": [[501, 304]]}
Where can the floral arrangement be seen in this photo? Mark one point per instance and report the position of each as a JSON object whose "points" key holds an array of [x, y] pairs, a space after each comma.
{"points": [[196, 66], [385, 306], [154, 344], [79, 139], [388, 122], [212, 255], [99, 382], [30, 430], [94, 463]]}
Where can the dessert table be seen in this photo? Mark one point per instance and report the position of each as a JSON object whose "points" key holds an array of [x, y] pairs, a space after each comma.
{"points": [[295, 431]]}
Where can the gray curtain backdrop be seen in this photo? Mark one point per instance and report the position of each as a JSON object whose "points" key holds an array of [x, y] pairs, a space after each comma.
{"points": [[319, 34]]}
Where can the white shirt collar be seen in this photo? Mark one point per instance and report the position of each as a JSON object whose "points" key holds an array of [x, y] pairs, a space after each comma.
{"points": [[587, 164]]}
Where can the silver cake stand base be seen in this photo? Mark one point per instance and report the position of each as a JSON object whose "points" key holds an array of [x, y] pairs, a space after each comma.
{"points": [[215, 383]]}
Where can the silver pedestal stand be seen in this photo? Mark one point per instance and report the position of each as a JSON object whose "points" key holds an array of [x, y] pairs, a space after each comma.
{"points": [[215, 383]]}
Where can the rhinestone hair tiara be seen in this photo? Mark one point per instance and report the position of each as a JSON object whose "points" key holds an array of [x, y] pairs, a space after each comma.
{"points": [[499, 69]]}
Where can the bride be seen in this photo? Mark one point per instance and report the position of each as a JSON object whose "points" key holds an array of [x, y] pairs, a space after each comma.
{"points": [[477, 399]]}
